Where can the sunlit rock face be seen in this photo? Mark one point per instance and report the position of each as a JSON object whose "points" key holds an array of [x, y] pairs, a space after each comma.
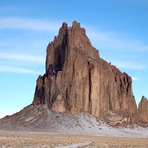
{"points": [[78, 80], [143, 108]]}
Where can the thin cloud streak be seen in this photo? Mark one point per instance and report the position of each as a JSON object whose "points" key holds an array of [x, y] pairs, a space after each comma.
{"points": [[135, 78], [128, 65], [9, 69], [21, 57], [29, 24], [114, 41], [105, 40]]}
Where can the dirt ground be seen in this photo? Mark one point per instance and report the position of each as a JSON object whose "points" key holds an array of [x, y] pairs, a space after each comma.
{"points": [[17, 139]]}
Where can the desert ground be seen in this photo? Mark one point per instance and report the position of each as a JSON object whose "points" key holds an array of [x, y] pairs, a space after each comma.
{"points": [[17, 139]]}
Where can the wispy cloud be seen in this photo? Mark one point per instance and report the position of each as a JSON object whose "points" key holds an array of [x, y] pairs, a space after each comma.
{"points": [[128, 65], [31, 24], [107, 41], [116, 45], [135, 78], [11, 69], [10, 62], [115, 41], [22, 57]]}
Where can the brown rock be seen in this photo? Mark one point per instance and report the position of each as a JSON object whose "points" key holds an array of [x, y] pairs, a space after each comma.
{"points": [[75, 70], [143, 108], [73, 110], [59, 104], [39, 92], [124, 121]]}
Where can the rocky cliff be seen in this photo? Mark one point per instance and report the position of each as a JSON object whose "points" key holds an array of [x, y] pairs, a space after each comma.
{"points": [[143, 108], [78, 80]]}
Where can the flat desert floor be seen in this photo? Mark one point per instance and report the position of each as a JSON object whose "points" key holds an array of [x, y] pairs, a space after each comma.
{"points": [[17, 139]]}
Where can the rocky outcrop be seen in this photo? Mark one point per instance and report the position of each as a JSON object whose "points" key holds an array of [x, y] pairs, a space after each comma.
{"points": [[84, 81], [59, 104], [115, 119], [143, 108]]}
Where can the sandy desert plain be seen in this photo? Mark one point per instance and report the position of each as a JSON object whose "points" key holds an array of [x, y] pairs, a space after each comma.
{"points": [[18, 139]]}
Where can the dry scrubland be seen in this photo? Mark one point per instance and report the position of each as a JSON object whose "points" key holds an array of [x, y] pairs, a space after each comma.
{"points": [[48, 140]]}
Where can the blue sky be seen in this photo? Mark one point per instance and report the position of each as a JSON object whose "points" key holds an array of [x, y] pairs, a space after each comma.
{"points": [[118, 29]]}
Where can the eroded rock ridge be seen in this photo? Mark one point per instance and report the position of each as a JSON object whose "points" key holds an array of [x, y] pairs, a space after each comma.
{"points": [[143, 108], [78, 80]]}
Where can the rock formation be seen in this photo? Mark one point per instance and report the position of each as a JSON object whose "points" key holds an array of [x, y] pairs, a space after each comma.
{"points": [[77, 79], [143, 108], [115, 119]]}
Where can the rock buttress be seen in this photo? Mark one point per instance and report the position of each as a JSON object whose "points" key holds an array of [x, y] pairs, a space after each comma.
{"points": [[76, 73], [143, 108]]}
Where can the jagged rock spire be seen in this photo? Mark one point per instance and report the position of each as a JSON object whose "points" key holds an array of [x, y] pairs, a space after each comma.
{"points": [[76, 74], [143, 108]]}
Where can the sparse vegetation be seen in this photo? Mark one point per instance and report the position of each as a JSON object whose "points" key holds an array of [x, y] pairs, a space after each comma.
{"points": [[48, 140]]}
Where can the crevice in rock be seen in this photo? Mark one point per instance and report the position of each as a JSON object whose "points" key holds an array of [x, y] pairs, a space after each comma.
{"points": [[110, 103], [59, 57], [60, 53], [67, 100], [72, 79], [90, 88]]}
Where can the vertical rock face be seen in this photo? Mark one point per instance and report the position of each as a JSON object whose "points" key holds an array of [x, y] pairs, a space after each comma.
{"points": [[143, 108], [84, 81]]}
